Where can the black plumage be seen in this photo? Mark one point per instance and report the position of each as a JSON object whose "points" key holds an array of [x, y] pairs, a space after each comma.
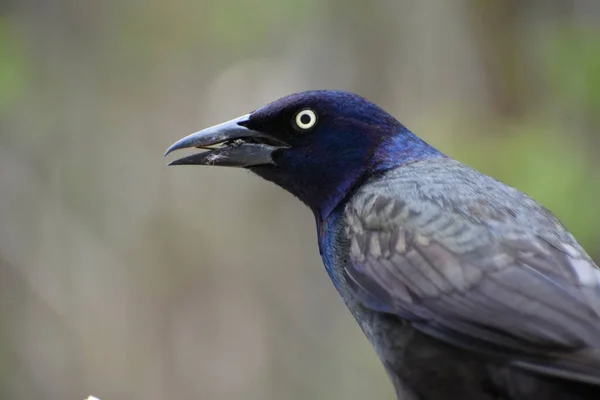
{"points": [[473, 265], [466, 287]]}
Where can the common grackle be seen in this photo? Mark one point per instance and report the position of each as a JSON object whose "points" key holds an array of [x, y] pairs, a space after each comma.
{"points": [[466, 287]]}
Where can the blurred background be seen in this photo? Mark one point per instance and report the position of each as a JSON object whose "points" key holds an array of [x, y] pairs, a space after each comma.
{"points": [[125, 279]]}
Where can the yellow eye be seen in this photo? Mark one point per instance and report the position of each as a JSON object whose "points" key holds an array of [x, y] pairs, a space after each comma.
{"points": [[306, 119]]}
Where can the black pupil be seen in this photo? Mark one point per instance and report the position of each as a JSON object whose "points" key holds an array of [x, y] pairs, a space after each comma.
{"points": [[305, 119]]}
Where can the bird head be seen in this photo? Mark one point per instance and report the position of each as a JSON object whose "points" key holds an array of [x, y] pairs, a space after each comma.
{"points": [[317, 145]]}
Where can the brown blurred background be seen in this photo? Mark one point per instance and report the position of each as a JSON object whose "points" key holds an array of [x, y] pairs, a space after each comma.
{"points": [[125, 279]]}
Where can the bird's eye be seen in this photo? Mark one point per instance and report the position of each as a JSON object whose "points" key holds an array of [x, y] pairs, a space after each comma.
{"points": [[306, 119]]}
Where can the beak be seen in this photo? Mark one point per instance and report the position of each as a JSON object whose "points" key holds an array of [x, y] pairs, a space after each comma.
{"points": [[240, 146]]}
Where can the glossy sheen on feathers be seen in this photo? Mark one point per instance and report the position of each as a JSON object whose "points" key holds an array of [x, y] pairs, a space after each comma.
{"points": [[433, 257], [467, 288], [352, 139]]}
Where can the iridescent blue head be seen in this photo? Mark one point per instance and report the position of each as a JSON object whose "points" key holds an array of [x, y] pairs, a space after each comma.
{"points": [[317, 145]]}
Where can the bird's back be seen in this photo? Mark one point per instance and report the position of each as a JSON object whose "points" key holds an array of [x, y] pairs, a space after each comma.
{"points": [[468, 288]]}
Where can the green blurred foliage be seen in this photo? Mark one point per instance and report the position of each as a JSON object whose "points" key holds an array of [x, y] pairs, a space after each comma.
{"points": [[573, 67], [13, 66]]}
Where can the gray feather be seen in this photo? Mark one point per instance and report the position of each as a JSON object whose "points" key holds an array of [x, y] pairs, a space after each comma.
{"points": [[479, 265]]}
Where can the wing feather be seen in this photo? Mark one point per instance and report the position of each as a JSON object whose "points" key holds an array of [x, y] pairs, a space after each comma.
{"points": [[526, 294]]}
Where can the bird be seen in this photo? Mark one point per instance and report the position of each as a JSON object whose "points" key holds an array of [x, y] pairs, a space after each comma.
{"points": [[466, 287]]}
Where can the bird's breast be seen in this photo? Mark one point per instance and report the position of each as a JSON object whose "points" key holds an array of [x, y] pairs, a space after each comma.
{"points": [[332, 248]]}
